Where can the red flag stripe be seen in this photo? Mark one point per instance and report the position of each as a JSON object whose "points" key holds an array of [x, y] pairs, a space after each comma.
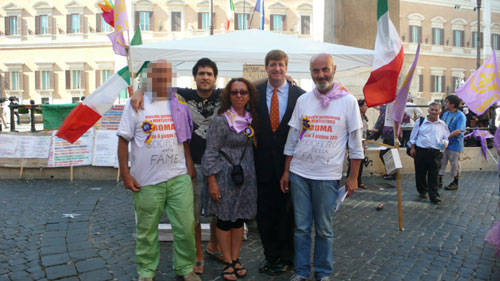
{"points": [[79, 121], [382, 84]]}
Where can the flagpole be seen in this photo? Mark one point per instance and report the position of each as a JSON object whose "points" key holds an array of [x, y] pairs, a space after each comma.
{"points": [[398, 178]]}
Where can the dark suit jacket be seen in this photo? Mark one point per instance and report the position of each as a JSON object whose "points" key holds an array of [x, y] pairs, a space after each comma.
{"points": [[269, 158]]}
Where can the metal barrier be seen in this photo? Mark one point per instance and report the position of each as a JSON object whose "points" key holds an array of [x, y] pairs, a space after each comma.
{"points": [[31, 107]]}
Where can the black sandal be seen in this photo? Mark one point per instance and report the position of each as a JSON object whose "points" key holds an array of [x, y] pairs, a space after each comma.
{"points": [[237, 270], [233, 273]]}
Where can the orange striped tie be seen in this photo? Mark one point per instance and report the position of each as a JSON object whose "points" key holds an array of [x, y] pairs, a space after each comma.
{"points": [[274, 113]]}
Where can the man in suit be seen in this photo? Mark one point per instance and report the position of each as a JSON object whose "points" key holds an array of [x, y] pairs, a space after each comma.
{"points": [[277, 99]]}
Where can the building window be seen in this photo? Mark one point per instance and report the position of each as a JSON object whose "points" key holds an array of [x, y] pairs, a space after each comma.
{"points": [[41, 24], [45, 80], [278, 22], [458, 38], [437, 36], [456, 82], [144, 20], [305, 25], [11, 25], [76, 79], [474, 39], [437, 84], [73, 23], [415, 34], [105, 27], [176, 21], [45, 100], [14, 81], [241, 21], [75, 100], [495, 41], [105, 74], [203, 21]]}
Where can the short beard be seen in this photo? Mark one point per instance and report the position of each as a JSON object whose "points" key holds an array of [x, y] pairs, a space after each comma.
{"points": [[322, 86]]}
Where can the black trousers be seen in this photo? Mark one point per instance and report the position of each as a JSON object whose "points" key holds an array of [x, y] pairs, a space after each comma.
{"points": [[275, 222], [427, 164]]}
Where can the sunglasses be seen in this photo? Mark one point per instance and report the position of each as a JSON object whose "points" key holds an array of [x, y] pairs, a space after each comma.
{"points": [[241, 92]]}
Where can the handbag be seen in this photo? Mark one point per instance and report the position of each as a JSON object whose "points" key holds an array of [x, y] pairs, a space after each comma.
{"points": [[237, 174]]}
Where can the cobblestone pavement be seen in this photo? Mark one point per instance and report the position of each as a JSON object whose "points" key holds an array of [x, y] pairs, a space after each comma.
{"points": [[55, 230]]}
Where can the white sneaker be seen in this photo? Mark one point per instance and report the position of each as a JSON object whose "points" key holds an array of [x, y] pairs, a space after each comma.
{"points": [[191, 277]]}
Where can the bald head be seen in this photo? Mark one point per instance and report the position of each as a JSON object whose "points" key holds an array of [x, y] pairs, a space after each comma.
{"points": [[322, 72]]}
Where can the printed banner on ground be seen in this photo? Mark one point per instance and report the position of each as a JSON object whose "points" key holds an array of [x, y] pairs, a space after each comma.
{"points": [[24, 146], [105, 148], [65, 154], [111, 119]]}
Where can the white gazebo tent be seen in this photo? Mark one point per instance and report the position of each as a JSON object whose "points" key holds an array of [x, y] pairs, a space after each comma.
{"points": [[232, 50]]}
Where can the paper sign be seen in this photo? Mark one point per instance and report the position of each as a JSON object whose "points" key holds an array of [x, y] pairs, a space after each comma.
{"points": [[111, 118], [64, 154], [389, 109], [8, 146], [341, 197], [392, 161], [105, 148], [33, 146]]}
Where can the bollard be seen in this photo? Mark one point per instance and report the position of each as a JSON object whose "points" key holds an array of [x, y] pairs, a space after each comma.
{"points": [[32, 115], [12, 121]]}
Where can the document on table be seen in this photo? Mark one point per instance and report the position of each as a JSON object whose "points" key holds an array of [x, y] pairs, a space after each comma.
{"points": [[341, 196]]}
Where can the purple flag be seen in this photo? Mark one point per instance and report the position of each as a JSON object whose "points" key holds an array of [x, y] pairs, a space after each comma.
{"points": [[121, 19], [497, 144], [481, 136], [482, 88], [118, 42], [401, 98], [182, 118]]}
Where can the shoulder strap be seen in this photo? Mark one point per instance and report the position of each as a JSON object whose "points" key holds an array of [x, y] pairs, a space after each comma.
{"points": [[421, 120]]}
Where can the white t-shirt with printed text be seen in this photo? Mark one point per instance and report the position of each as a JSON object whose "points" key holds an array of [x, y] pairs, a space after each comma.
{"points": [[319, 155], [163, 158]]}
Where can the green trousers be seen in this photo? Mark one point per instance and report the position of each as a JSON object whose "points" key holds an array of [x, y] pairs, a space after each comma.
{"points": [[175, 197]]}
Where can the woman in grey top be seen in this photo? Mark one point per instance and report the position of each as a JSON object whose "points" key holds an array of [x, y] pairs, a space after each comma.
{"points": [[230, 141]]}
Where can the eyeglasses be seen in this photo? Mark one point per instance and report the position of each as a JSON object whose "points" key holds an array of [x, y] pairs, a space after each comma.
{"points": [[241, 92]]}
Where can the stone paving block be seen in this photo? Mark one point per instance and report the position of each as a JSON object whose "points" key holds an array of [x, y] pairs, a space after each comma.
{"points": [[50, 250], [51, 260], [59, 271], [82, 254], [90, 265], [19, 276], [98, 275]]}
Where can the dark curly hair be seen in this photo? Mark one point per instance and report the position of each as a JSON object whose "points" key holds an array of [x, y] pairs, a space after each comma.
{"points": [[251, 105]]}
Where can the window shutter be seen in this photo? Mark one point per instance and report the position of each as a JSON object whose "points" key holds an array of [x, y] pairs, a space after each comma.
{"points": [[97, 78], [455, 37], [83, 21], [443, 84], [52, 80], [68, 24], [98, 22], [37, 80], [84, 78], [441, 40], [419, 34], [481, 40], [410, 34], [284, 22], [7, 26], [236, 25], [214, 20], [200, 19], [433, 35], [52, 25], [137, 20], [6, 80], [152, 22], [68, 79], [37, 24], [463, 38], [21, 81], [421, 83], [272, 22], [433, 84]]}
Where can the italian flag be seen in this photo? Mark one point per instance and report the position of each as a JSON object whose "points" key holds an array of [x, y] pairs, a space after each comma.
{"points": [[87, 113], [229, 13], [387, 61]]}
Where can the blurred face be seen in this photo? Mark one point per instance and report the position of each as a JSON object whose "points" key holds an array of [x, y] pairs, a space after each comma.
{"points": [[363, 108], [205, 78], [276, 71], [322, 72], [161, 77], [239, 95], [434, 112]]}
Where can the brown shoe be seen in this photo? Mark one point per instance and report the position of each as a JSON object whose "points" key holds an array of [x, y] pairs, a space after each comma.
{"points": [[191, 276], [452, 186]]}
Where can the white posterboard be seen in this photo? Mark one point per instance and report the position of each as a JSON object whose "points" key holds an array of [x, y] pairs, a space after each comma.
{"points": [[111, 119], [392, 161], [8, 146], [16, 146], [65, 154], [105, 148], [389, 109]]}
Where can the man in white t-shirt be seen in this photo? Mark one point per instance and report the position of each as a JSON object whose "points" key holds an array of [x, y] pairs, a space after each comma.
{"points": [[323, 123], [158, 177]]}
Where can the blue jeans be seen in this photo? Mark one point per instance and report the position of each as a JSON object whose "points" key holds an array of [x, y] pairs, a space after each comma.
{"points": [[313, 200]]}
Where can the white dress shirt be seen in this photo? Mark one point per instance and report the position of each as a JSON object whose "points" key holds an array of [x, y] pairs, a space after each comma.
{"points": [[430, 134], [282, 97]]}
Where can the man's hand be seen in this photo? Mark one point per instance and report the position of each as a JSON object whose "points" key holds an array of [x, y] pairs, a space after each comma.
{"points": [[285, 182], [137, 100], [413, 152], [130, 183], [290, 80], [191, 169], [214, 190], [351, 184]]}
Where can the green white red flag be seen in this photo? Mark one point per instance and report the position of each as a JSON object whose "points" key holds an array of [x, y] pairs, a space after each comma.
{"points": [[229, 13], [388, 58]]}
